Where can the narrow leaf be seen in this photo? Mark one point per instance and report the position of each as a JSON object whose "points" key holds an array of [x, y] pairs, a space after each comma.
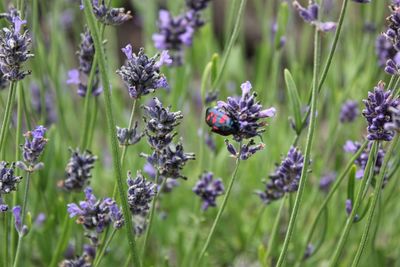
{"points": [[294, 99]]}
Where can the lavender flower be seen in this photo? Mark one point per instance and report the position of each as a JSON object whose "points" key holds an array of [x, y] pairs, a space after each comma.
{"points": [[94, 214], [80, 77], [247, 113], [310, 15], [285, 179], [326, 181], [141, 74], [78, 261], [208, 189], [8, 180], [127, 137], [140, 194], [35, 143], [309, 251], [394, 125], [169, 184], [377, 112], [392, 67], [362, 1], [14, 48], [349, 111], [385, 51], [21, 229], [110, 16], [78, 170], [361, 161], [393, 31], [173, 34]]}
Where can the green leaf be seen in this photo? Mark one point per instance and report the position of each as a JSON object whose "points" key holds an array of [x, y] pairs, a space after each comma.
{"points": [[294, 99], [214, 67], [283, 15], [351, 182]]}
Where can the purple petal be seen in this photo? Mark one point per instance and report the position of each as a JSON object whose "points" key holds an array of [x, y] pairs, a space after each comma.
{"points": [[164, 18], [246, 87], [327, 26], [73, 77], [266, 113], [73, 210], [128, 51], [18, 23], [165, 59]]}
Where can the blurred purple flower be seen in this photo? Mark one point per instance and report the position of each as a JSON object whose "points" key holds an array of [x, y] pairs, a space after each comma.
{"points": [[362, 1], [208, 189], [285, 179], [110, 15], [310, 15], [361, 161], [377, 112], [384, 50], [173, 34], [393, 31], [21, 229], [349, 111], [394, 125], [326, 181]]}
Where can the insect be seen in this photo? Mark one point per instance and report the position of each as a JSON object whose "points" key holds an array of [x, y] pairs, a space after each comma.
{"points": [[220, 122]]}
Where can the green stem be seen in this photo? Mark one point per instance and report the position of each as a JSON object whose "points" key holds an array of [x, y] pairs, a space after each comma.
{"points": [[396, 87], [104, 248], [375, 197], [232, 40], [356, 205], [275, 230], [24, 205], [306, 162], [220, 211], [7, 115], [328, 61], [324, 204], [112, 131], [6, 241]]}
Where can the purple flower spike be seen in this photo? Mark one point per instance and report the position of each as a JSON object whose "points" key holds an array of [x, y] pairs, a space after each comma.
{"points": [[310, 15], [141, 74], [140, 194], [208, 189], [285, 179], [377, 112], [35, 142], [110, 15], [8, 180], [95, 214], [14, 48]]}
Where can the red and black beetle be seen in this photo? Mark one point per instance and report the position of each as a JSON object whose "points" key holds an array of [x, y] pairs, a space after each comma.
{"points": [[220, 122]]}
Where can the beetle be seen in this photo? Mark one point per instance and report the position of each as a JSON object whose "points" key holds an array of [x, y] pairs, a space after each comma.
{"points": [[220, 122]]}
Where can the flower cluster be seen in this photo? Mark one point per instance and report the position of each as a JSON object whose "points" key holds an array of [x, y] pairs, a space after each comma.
{"points": [[141, 74], [8, 182], [127, 137], [377, 112], [167, 158], [96, 214], [173, 34], [208, 189], [110, 16], [140, 194], [361, 161], [385, 51], [310, 15], [393, 31], [80, 76], [247, 113], [285, 179], [349, 111], [14, 48], [78, 170], [35, 143]]}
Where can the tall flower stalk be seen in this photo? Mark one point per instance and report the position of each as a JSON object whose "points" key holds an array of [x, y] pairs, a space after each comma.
{"points": [[307, 155], [112, 131]]}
